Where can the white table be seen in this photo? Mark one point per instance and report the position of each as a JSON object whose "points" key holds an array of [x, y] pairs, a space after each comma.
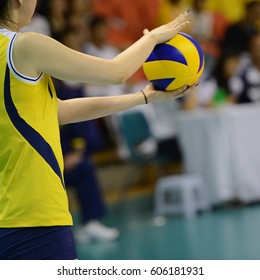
{"points": [[223, 145]]}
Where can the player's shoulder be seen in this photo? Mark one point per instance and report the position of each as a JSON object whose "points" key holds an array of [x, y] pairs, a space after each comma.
{"points": [[28, 44], [29, 39], [27, 49]]}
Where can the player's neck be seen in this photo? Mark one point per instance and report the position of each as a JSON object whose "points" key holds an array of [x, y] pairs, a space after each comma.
{"points": [[13, 21], [10, 25]]}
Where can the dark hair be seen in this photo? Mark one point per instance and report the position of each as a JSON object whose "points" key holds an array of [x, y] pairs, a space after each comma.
{"points": [[96, 21], [251, 5], [63, 34], [218, 72], [5, 10]]}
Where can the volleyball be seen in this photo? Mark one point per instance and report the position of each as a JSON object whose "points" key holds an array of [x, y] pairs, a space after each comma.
{"points": [[175, 63]]}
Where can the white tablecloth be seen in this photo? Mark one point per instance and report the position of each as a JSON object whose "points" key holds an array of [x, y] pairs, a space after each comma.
{"points": [[223, 145]]}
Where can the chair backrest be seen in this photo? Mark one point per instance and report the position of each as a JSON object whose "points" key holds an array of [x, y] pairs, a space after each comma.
{"points": [[135, 130]]}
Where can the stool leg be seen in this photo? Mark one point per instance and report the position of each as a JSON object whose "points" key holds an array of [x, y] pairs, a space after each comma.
{"points": [[188, 201], [203, 198], [159, 201]]}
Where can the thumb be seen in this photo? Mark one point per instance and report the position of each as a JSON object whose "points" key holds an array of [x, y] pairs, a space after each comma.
{"points": [[146, 31]]}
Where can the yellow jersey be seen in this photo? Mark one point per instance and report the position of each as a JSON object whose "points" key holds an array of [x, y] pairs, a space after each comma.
{"points": [[32, 191]]}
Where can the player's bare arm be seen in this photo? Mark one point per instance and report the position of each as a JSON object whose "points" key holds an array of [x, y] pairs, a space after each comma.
{"points": [[82, 109], [36, 53]]}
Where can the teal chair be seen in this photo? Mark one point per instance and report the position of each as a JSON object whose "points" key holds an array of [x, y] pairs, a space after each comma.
{"points": [[141, 145]]}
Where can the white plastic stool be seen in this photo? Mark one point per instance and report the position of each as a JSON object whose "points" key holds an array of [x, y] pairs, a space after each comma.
{"points": [[191, 192]]}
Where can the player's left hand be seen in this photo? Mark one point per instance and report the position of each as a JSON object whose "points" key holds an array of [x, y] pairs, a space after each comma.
{"points": [[154, 95], [167, 31]]}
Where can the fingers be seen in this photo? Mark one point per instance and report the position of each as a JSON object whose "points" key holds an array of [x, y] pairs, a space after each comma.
{"points": [[183, 24], [158, 95], [183, 90], [181, 21], [167, 31], [182, 17]]}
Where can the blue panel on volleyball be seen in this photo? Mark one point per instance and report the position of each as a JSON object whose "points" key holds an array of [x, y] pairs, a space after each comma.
{"points": [[176, 63], [162, 84], [198, 47], [166, 52]]}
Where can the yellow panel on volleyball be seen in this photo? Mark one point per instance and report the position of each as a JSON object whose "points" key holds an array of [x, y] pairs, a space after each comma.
{"points": [[178, 83], [188, 50], [163, 69], [194, 79], [175, 63]]}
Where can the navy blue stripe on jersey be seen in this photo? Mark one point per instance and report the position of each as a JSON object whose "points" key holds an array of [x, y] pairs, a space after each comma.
{"points": [[51, 94], [13, 68], [31, 135]]}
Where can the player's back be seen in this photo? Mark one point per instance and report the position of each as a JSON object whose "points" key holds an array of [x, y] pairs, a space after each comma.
{"points": [[32, 190]]}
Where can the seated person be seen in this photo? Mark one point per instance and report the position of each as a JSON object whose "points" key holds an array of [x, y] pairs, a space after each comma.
{"points": [[246, 84], [78, 141]]}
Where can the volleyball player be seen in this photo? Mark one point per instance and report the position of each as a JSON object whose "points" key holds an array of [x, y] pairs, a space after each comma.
{"points": [[35, 222]]}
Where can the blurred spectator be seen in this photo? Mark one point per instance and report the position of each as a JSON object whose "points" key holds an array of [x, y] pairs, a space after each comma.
{"points": [[81, 8], [214, 88], [126, 22], [80, 12], [246, 85], [238, 34], [57, 11], [80, 173], [208, 28], [170, 9], [127, 19], [217, 87], [232, 9], [226, 67], [72, 39], [39, 23], [42, 7], [97, 46], [79, 142]]}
